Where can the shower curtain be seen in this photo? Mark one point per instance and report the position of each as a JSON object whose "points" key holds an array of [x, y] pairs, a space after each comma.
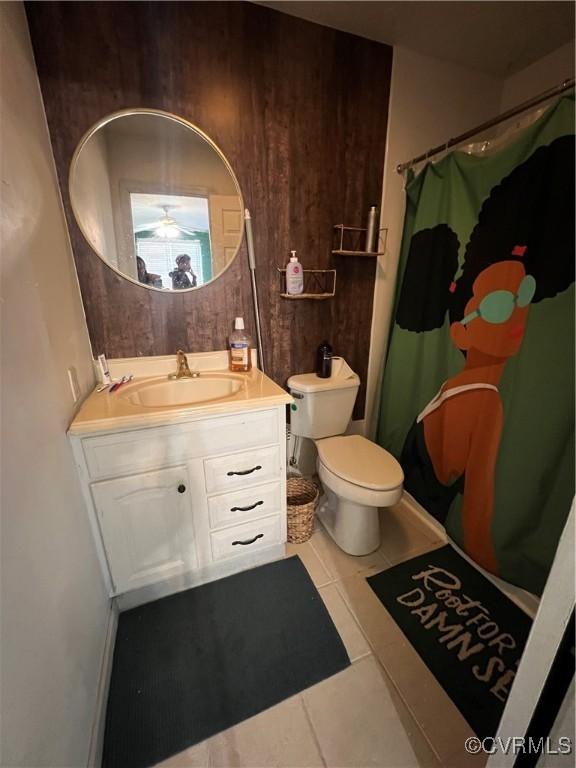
{"points": [[478, 391]]}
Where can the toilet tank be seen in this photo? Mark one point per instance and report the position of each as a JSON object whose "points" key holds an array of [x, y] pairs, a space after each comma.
{"points": [[323, 407]]}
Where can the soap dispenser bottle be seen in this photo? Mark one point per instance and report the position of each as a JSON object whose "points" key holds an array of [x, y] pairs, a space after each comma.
{"points": [[294, 275], [240, 348]]}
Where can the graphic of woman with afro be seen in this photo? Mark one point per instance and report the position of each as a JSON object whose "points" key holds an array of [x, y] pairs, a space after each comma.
{"points": [[520, 252]]}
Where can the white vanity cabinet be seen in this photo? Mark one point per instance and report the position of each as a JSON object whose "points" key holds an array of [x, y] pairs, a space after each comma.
{"points": [[177, 505]]}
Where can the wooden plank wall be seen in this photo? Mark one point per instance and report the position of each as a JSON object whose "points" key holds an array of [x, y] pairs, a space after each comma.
{"points": [[300, 111]]}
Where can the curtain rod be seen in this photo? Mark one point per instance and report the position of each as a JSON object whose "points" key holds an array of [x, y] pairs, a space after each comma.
{"points": [[558, 89]]}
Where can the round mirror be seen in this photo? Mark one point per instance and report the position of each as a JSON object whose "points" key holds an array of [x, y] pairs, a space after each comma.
{"points": [[157, 200]]}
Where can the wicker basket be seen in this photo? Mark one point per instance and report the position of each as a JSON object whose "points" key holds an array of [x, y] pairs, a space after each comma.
{"points": [[302, 499]]}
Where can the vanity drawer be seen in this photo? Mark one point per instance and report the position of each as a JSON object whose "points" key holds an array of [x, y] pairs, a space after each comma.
{"points": [[243, 539], [238, 470], [244, 504], [127, 453]]}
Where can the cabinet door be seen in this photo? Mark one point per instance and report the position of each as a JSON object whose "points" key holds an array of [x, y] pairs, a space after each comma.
{"points": [[147, 526]]}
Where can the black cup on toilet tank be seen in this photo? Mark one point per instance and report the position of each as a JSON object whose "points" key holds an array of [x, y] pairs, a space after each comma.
{"points": [[324, 361]]}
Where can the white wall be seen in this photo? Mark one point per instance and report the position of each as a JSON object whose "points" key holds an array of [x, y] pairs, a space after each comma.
{"points": [[54, 609], [545, 73], [430, 101]]}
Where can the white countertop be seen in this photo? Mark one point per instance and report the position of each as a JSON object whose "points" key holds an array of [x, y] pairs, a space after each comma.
{"points": [[107, 412]]}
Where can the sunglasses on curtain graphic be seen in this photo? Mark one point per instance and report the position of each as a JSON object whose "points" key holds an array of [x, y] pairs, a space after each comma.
{"points": [[497, 307]]}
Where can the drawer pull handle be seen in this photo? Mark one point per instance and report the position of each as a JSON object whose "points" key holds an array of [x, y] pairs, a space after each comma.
{"points": [[246, 509], [249, 541], [181, 488], [244, 471]]}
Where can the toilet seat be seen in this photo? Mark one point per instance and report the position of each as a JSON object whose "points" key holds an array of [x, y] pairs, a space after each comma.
{"points": [[359, 461]]}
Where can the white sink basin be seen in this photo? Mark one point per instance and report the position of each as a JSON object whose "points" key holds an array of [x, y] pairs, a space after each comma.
{"points": [[166, 392]]}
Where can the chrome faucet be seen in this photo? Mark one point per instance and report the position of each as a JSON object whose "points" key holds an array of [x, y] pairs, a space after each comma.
{"points": [[182, 369]]}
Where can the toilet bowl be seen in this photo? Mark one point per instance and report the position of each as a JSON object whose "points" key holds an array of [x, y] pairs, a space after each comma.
{"points": [[358, 477]]}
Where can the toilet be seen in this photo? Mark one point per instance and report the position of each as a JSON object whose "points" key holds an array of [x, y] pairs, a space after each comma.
{"points": [[358, 476]]}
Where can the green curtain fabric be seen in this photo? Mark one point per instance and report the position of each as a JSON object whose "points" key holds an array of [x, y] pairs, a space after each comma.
{"points": [[534, 473]]}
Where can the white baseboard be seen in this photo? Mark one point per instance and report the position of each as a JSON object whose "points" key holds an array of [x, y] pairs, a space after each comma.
{"points": [[409, 502], [97, 736]]}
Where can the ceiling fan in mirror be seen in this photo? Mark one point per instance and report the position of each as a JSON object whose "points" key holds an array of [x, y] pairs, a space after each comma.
{"points": [[166, 227]]}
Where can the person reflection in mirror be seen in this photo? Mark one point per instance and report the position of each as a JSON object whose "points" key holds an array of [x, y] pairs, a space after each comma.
{"points": [[148, 278], [183, 277]]}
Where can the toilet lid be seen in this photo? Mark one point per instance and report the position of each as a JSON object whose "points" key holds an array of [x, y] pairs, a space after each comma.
{"points": [[360, 461]]}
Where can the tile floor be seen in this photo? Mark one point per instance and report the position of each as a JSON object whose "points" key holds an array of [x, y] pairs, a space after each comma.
{"points": [[386, 710]]}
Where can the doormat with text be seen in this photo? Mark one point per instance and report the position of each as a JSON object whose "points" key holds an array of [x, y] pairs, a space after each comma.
{"points": [[469, 634]]}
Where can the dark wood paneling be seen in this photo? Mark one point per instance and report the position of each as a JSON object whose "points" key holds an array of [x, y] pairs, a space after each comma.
{"points": [[300, 111]]}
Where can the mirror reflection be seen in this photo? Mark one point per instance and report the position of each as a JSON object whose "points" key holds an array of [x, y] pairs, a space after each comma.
{"points": [[157, 200]]}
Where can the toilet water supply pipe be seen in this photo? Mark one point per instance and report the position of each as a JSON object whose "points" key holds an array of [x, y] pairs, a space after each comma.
{"points": [[252, 264]]}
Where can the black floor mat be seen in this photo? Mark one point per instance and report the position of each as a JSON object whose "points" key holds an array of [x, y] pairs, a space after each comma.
{"points": [[193, 664], [469, 634]]}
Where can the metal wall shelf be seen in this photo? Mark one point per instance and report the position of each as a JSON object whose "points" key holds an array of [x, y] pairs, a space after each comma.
{"points": [[319, 284], [352, 237]]}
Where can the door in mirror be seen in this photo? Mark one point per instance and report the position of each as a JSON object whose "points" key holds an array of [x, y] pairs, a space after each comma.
{"points": [[157, 200]]}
